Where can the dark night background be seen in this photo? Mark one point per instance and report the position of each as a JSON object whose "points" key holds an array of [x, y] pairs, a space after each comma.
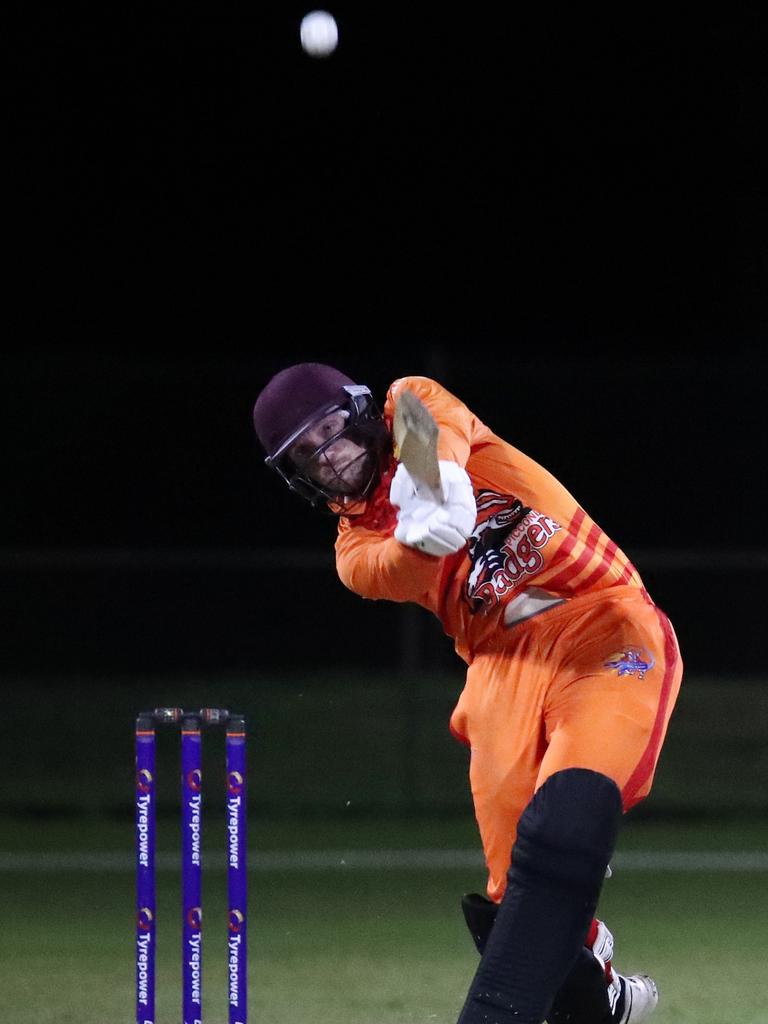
{"points": [[560, 215]]}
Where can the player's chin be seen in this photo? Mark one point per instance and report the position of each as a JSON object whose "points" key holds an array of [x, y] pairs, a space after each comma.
{"points": [[355, 477], [339, 487], [345, 488]]}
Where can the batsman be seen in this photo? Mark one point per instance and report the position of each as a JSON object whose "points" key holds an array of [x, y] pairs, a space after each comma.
{"points": [[572, 669]]}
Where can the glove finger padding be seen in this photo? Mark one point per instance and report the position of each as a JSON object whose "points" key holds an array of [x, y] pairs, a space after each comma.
{"points": [[418, 510], [432, 536], [402, 487], [453, 477], [459, 515], [454, 481], [437, 529], [458, 497]]}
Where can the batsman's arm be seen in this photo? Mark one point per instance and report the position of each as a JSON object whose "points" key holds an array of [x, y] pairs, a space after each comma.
{"points": [[381, 568]]}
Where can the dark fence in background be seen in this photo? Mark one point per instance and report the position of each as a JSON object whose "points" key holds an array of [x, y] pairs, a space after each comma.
{"points": [[338, 744], [347, 700], [253, 610]]}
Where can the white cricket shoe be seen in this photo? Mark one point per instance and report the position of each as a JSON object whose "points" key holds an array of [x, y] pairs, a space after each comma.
{"points": [[641, 997], [632, 999]]}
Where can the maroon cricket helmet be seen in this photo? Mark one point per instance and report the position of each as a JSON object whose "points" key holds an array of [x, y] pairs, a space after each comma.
{"points": [[296, 398], [292, 400]]}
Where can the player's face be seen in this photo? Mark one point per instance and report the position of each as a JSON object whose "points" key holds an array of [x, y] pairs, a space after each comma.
{"points": [[342, 466]]}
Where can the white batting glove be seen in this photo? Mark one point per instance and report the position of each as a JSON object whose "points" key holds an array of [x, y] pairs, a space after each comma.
{"points": [[437, 529]]}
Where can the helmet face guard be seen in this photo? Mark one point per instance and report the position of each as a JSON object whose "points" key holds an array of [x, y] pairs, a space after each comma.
{"points": [[363, 425]]}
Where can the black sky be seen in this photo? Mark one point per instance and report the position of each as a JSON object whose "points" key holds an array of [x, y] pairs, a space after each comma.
{"points": [[563, 214]]}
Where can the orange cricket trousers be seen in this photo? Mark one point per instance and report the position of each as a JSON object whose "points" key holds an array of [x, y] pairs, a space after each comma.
{"points": [[590, 683]]}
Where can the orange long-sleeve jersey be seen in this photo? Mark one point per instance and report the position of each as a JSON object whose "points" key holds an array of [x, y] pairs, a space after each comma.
{"points": [[530, 531]]}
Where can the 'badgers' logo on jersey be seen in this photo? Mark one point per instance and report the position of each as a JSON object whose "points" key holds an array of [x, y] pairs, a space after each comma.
{"points": [[504, 547]]}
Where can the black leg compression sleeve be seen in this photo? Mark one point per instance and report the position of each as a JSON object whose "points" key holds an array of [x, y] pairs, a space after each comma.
{"points": [[583, 996], [565, 839]]}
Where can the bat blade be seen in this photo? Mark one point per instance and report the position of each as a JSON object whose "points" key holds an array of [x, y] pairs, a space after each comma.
{"points": [[415, 434]]}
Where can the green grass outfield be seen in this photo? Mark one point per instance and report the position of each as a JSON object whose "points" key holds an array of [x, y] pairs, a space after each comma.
{"points": [[344, 944]]}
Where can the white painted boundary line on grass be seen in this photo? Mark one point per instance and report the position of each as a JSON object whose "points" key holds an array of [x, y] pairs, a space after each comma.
{"points": [[380, 860]]}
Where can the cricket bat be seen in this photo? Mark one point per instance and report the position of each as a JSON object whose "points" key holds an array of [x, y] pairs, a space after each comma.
{"points": [[415, 436]]}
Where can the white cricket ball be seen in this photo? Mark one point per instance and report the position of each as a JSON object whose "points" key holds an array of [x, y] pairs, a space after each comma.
{"points": [[319, 33]]}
